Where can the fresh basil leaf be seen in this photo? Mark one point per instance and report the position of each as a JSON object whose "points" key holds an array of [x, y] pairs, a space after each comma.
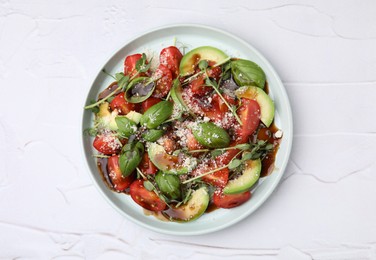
{"points": [[139, 89], [157, 114], [246, 72], [126, 126], [169, 184], [210, 135], [152, 135], [130, 157]]}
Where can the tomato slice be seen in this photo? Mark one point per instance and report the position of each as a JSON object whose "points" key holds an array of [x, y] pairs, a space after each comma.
{"points": [[215, 72], [151, 101], [145, 198], [230, 201], [171, 57], [227, 156], [130, 65], [146, 166], [218, 178], [249, 113], [121, 105], [119, 182], [192, 143], [107, 144], [198, 87], [218, 107], [164, 84]]}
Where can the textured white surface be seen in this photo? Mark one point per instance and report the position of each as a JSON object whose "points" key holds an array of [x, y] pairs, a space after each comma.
{"points": [[325, 53]]}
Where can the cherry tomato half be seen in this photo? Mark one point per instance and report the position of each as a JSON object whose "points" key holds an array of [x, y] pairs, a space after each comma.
{"points": [[230, 201], [146, 166], [249, 113], [121, 105], [107, 144], [218, 178], [151, 101], [119, 182], [171, 57], [164, 83], [130, 65], [145, 198]]}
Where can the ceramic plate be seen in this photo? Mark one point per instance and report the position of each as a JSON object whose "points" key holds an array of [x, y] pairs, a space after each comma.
{"points": [[193, 36]]}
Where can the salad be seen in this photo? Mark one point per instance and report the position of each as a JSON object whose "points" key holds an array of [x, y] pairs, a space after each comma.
{"points": [[186, 134]]}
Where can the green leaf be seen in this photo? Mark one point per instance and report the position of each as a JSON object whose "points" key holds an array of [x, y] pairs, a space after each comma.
{"points": [[210, 135], [94, 109], [139, 89], [157, 114], [216, 153], [234, 164], [148, 185], [246, 72], [91, 131], [243, 146], [169, 184], [119, 76], [269, 147], [203, 64], [130, 157], [126, 126], [152, 135], [141, 64], [246, 156]]}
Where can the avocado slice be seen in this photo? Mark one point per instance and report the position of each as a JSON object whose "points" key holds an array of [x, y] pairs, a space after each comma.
{"points": [[163, 161], [105, 118], [193, 209], [192, 58], [244, 182], [265, 102]]}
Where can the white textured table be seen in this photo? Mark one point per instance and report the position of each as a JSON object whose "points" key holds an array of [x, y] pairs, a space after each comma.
{"points": [[325, 53]]}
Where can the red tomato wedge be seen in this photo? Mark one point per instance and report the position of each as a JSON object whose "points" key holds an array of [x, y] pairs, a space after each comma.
{"points": [[151, 101], [218, 178], [130, 65], [107, 144], [171, 57], [249, 113], [146, 166], [230, 201], [121, 105], [119, 182], [145, 198], [164, 83]]}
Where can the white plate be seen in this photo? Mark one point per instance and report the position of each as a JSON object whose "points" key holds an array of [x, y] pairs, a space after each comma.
{"points": [[193, 36]]}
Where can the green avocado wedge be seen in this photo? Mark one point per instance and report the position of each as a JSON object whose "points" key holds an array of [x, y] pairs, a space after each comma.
{"points": [[265, 102], [193, 209], [244, 182], [163, 161], [192, 58]]}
